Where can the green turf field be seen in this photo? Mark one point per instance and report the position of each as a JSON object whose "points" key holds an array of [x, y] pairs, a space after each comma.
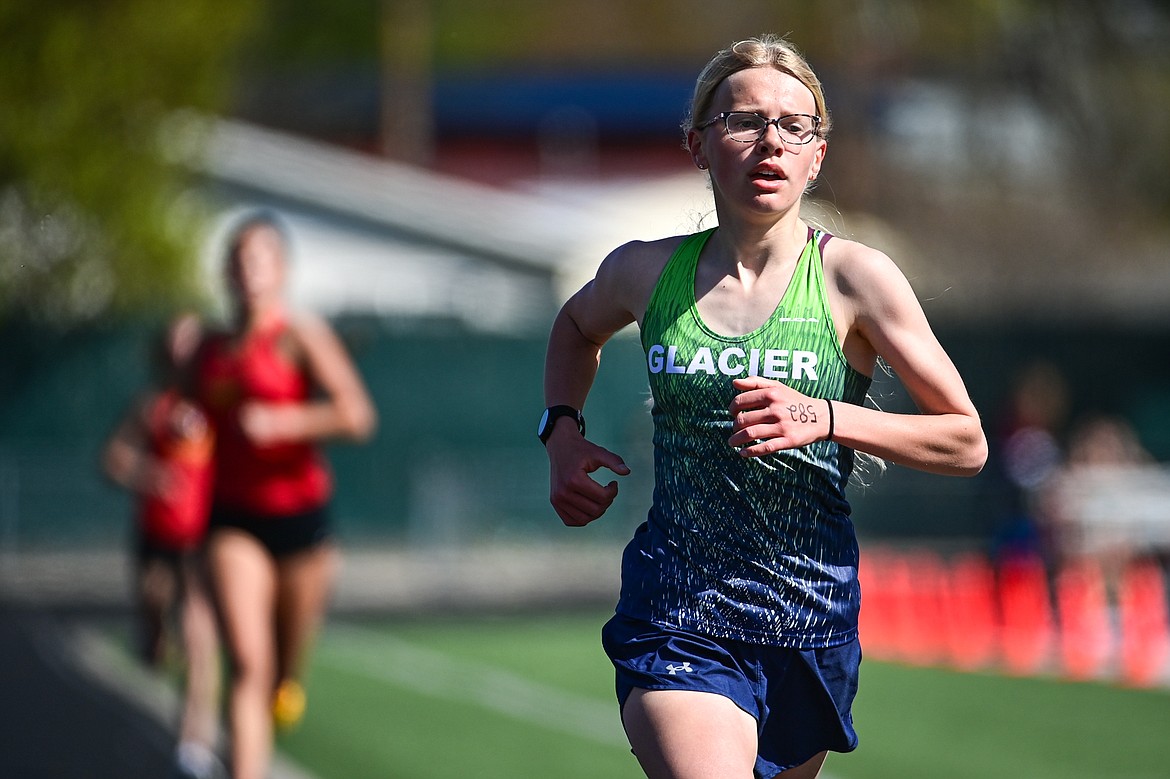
{"points": [[522, 697]]}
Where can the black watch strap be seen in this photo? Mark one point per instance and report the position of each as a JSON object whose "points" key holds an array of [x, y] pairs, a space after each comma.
{"points": [[552, 414]]}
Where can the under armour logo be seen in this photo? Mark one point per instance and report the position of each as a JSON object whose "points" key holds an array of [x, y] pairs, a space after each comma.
{"points": [[674, 669]]}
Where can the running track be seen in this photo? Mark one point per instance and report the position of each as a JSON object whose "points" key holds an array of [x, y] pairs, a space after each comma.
{"points": [[71, 709]]}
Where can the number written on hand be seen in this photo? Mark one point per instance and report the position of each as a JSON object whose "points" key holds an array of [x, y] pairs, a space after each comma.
{"points": [[803, 412]]}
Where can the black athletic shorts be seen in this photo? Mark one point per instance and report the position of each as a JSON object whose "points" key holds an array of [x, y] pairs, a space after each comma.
{"points": [[147, 550], [281, 535]]}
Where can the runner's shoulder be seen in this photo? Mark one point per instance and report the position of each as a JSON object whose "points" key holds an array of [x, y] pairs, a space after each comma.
{"points": [[638, 261]]}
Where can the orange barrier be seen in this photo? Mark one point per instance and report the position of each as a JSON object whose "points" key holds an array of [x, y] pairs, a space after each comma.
{"points": [[970, 617], [1086, 632], [922, 609], [1026, 630], [899, 583], [1145, 634], [874, 626], [926, 641]]}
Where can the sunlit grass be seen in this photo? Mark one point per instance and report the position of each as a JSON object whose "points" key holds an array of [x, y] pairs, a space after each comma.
{"points": [[455, 698]]}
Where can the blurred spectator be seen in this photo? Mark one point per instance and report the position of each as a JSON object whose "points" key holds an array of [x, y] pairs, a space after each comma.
{"points": [[1028, 453], [1105, 440], [1111, 499], [162, 452]]}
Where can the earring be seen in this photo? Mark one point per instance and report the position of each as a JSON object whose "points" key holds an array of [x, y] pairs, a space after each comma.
{"points": [[701, 166]]}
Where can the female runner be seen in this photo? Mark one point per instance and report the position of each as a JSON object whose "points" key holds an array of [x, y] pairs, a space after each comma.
{"points": [[275, 384], [735, 638]]}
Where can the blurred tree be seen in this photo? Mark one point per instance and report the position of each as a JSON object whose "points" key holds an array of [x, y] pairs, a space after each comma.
{"points": [[88, 224], [1097, 70], [1102, 67]]}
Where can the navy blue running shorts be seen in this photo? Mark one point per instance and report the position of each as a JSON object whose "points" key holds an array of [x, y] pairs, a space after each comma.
{"points": [[801, 698], [280, 535]]}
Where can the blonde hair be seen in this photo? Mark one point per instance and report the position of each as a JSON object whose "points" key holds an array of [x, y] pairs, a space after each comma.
{"points": [[766, 51]]}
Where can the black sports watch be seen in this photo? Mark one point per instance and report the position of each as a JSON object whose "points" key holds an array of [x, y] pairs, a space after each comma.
{"points": [[552, 414]]}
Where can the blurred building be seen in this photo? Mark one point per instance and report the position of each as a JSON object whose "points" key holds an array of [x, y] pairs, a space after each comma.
{"points": [[376, 237]]}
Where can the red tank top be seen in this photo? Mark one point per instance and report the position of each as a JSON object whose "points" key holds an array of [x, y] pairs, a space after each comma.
{"points": [[270, 480], [180, 436]]}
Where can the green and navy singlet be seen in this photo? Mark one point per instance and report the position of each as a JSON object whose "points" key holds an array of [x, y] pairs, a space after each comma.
{"points": [[762, 549]]}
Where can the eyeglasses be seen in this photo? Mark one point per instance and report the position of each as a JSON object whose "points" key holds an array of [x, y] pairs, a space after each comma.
{"points": [[749, 127]]}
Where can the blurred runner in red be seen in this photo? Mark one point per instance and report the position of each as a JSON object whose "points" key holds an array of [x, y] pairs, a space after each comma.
{"points": [[162, 451]]}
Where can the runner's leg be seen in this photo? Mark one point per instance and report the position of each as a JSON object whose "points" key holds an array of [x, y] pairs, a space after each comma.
{"points": [[244, 580], [686, 734]]}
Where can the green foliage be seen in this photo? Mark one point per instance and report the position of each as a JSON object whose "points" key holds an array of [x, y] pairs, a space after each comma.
{"points": [[88, 216], [303, 34]]}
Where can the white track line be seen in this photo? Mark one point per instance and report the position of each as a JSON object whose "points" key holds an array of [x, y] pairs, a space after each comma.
{"points": [[93, 652]]}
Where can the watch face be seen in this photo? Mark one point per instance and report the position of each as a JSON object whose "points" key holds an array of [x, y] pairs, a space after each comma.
{"points": [[543, 422]]}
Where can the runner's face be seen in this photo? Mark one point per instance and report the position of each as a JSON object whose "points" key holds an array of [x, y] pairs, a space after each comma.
{"points": [[767, 175], [256, 272]]}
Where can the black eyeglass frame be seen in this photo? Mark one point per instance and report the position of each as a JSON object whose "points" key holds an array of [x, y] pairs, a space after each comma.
{"points": [[726, 115]]}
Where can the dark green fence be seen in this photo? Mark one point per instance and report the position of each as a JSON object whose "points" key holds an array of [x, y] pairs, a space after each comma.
{"points": [[456, 461]]}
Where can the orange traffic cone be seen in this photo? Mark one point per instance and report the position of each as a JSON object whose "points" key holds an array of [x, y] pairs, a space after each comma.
{"points": [[924, 640], [1086, 635], [969, 619], [875, 622], [1145, 635], [1025, 614], [900, 590]]}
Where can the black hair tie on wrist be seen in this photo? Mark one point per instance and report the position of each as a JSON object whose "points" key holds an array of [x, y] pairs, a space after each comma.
{"points": [[829, 437]]}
